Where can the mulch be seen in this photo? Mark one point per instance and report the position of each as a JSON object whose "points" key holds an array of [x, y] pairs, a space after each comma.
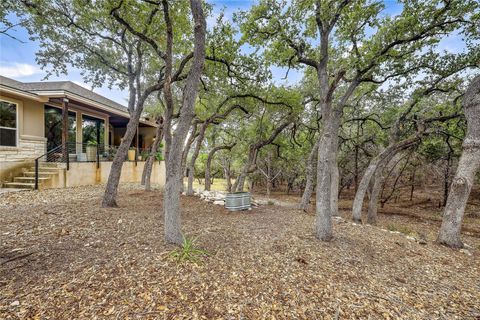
{"points": [[62, 256]]}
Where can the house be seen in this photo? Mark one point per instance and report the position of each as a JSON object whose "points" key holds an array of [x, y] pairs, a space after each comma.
{"points": [[70, 132]]}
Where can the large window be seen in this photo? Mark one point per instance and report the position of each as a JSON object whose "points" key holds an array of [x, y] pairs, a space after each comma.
{"points": [[93, 129], [53, 128], [8, 124]]}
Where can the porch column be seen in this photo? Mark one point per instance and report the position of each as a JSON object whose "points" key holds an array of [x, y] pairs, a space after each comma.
{"points": [[106, 133], [65, 128], [137, 141], [79, 133]]}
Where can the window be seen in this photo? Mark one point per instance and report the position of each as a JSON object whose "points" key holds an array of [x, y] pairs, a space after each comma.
{"points": [[93, 129], [8, 124], [54, 126]]}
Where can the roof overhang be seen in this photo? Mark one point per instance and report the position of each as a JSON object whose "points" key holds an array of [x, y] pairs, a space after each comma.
{"points": [[86, 101], [23, 94]]}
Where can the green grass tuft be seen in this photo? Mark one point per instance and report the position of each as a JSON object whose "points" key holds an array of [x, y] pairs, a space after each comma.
{"points": [[188, 252]]}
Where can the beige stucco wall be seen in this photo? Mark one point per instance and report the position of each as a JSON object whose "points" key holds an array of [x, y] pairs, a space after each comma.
{"points": [[86, 173], [31, 142]]}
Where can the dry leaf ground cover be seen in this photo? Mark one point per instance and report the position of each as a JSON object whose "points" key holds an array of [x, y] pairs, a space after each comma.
{"points": [[64, 257]]}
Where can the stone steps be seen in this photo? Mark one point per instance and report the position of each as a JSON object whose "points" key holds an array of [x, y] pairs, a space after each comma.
{"points": [[31, 179], [40, 173], [46, 172], [19, 185]]}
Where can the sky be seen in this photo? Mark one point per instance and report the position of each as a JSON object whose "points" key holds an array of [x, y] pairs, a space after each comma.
{"points": [[17, 59]]}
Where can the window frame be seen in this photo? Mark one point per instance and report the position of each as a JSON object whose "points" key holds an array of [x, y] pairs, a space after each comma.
{"points": [[70, 111], [17, 124]]}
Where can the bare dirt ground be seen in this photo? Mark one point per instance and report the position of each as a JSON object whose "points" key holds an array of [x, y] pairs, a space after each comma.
{"points": [[62, 256]]}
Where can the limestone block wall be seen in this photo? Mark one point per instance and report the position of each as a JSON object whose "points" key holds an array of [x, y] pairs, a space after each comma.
{"points": [[14, 160], [28, 149]]}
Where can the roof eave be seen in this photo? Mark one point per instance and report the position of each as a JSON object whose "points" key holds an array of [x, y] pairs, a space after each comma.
{"points": [[74, 96], [22, 93]]}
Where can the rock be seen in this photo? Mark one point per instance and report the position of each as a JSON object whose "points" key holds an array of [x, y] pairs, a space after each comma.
{"points": [[218, 202], [15, 303], [411, 238], [422, 241], [465, 251]]}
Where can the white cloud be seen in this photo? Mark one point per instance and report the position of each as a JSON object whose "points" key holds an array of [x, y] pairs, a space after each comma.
{"points": [[18, 70]]}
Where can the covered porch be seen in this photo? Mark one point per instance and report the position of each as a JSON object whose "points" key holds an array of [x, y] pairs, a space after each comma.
{"points": [[89, 133]]}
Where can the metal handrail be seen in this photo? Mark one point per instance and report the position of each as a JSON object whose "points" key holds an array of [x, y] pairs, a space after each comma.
{"points": [[46, 156]]}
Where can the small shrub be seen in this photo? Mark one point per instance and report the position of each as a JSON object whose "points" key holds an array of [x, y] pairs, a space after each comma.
{"points": [[159, 156], [402, 229], [188, 252], [270, 203]]}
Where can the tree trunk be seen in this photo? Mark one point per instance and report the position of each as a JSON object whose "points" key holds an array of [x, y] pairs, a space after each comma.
{"points": [[467, 167], [335, 176], [446, 181], [326, 155], [251, 166], [227, 175], [110, 195], [372, 205], [240, 182], [390, 151], [173, 232], [311, 176], [147, 170], [186, 150], [193, 159], [209, 163], [335, 186]]}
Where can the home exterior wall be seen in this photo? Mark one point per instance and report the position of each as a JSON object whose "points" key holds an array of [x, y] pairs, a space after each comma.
{"points": [[31, 142], [86, 173]]}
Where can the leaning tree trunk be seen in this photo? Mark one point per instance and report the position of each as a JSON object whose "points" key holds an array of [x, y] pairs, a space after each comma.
{"points": [[111, 189], [185, 152], [467, 168], [388, 152], [209, 163], [251, 166], [311, 175], [376, 187], [378, 180], [147, 170], [193, 159], [173, 232]]}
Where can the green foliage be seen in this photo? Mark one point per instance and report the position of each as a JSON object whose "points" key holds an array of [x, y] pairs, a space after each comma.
{"points": [[188, 252], [159, 156]]}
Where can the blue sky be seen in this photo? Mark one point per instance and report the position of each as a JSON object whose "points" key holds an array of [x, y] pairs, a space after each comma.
{"points": [[17, 59]]}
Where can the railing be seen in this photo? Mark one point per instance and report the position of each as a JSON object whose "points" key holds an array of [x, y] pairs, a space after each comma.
{"points": [[55, 155], [87, 152]]}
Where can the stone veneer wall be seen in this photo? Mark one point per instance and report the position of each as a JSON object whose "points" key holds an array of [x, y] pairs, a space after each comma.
{"points": [[28, 148], [13, 160]]}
